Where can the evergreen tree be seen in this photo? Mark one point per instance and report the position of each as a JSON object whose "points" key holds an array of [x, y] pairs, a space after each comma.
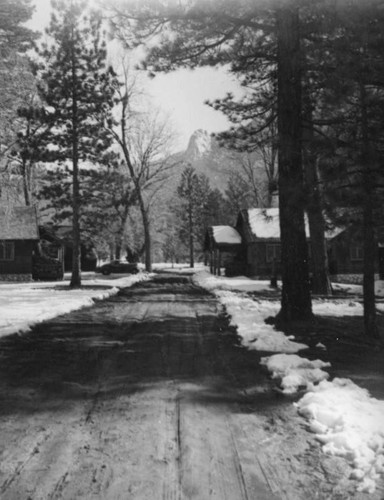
{"points": [[237, 194], [198, 208], [32, 129], [192, 203], [107, 197], [78, 89], [351, 111], [16, 82]]}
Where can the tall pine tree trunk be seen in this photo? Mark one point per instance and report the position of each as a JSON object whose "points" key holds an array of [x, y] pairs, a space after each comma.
{"points": [[26, 182], [191, 237], [321, 283], [370, 324], [76, 253], [296, 299]]}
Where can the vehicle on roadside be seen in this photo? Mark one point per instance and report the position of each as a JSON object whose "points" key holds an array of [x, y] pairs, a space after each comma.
{"points": [[119, 267]]}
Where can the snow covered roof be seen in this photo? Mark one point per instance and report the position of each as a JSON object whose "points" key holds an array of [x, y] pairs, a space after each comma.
{"points": [[264, 224], [226, 235], [18, 223]]}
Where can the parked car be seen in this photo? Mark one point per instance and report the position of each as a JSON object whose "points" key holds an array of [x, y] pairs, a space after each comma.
{"points": [[117, 266]]}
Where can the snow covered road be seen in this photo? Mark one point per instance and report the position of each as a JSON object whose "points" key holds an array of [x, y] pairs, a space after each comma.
{"points": [[148, 395], [125, 399]]}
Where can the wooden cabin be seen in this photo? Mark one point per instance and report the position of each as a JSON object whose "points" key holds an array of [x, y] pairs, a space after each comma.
{"points": [[19, 235], [88, 256], [253, 246], [260, 232], [222, 247], [57, 242]]}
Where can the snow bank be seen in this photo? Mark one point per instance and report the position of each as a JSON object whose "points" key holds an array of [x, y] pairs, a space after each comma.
{"points": [[350, 423], [295, 372], [23, 305], [354, 289], [208, 281], [248, 316], [177, 268], [337, 307]]}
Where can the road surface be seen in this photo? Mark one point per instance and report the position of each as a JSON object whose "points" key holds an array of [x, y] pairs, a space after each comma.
{"points": [[148, 395]]}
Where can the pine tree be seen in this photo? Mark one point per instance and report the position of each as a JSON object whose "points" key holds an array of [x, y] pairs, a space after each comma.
{"points": [[352, 107], [191, 204], [16, 82], [107, 197], [78, 89], [198, 207]]}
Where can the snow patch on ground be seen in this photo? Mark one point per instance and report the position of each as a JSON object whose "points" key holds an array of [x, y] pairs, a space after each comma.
{"points": [[337, 307], [177, 268], [248, 316], [23, 305], [295, 372], [240, 283], [350, 423]]}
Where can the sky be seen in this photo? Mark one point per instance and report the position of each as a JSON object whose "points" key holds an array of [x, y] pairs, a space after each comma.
{"points": [[179, 95]]}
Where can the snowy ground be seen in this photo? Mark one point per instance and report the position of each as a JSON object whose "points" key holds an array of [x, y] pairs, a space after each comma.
{"points": [[178, 268], [345, 418], [23, 305]]}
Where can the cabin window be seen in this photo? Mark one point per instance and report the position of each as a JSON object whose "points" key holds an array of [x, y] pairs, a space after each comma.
{"points": [[356, 252], [274, 252], [7, 250]]}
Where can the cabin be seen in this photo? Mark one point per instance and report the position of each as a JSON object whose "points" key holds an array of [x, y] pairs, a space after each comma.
{"points": [[259, 253], [88, 256], [260, 230], [222, 248], [19, 235], [57, 242]]}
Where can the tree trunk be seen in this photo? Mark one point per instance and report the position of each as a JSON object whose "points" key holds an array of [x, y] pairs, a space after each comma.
{"points": [[321, 283], [26, 184], [76, 254], [296, 299], [117, 251], [148, 243], [370, 324], [191, 239], [147, 230], [147, 233]]}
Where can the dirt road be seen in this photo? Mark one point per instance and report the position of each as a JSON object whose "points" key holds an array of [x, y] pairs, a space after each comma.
{"points": [[148, 395]]}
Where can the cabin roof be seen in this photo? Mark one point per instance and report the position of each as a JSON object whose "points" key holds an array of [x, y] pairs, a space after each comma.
{"points": [[263, 224], [18, 223], [224, 237], [226, 234]]}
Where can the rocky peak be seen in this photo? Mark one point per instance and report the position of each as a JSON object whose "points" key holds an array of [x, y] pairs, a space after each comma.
{"points": [[200, 145]]}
